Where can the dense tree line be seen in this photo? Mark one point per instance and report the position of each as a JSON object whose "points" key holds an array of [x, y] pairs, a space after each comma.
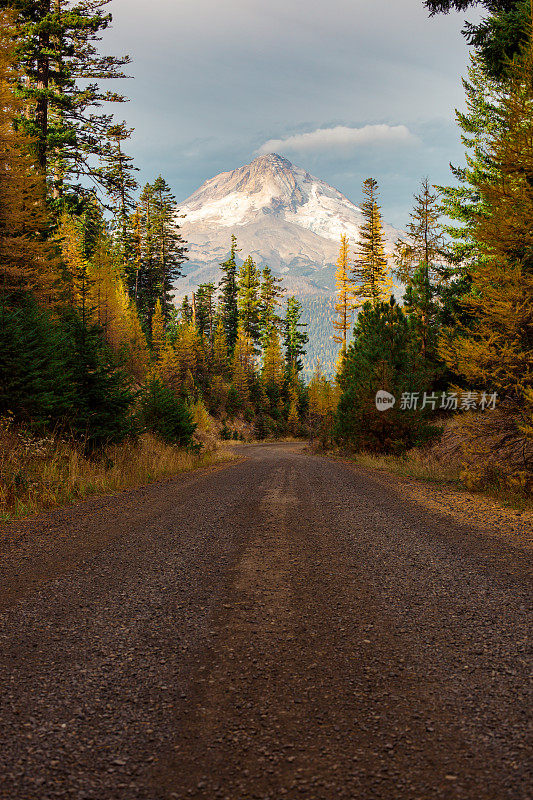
{"points": [[92, 345], [462, 336]]}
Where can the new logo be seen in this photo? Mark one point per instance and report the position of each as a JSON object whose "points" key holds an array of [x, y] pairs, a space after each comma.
{"points": [[384, 400]]}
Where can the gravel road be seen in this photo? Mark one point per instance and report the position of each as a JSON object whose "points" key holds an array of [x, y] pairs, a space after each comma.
{"points": [[281, 627]]}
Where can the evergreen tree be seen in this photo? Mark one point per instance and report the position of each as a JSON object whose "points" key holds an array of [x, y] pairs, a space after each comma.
{"points": [[345, 304], [120, 186], [419, 261], [160, 249], [228, 301], [61, 65], [169, 245], [270, 293], [248, 300], [370, 271], [494, 350], [147, 283], [103, 398], [295, 336], [118, 174], [166, 415], [34, 357], [462, 203], [384, 355], [186, 311], [205, 310], [499, 36]]}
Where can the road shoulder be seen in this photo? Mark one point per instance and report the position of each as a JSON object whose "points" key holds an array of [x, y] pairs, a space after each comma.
{"points": [[463, 507]]}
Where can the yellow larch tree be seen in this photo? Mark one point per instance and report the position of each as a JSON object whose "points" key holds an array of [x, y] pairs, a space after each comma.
{"points": [[293, 418], [242, 364], [323, 401], [495, 350], [26, 258], [169, 368], [137, 358], [345, 289], [158, 331], [273, 372], [96, 289], [76, 272], [186, 346], [220, 351]]}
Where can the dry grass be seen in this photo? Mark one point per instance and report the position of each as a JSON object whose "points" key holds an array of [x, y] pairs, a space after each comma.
{"points": [[426, 466], [416, 464], [43, 473]]}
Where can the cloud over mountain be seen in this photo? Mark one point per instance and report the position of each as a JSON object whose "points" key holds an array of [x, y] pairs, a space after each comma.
{"points": [[341, 138]]}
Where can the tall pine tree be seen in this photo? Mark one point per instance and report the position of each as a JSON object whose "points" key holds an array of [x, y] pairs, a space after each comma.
{"points": [[62, 69], [295, 337], [229, 310], [248, 300], [370, 268]]}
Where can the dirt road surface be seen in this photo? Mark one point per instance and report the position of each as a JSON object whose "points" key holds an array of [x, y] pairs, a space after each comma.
{"points": [[282, 627]]}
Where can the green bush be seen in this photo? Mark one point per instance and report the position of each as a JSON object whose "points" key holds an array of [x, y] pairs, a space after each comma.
{"points": [[34, 356], [102, 412], [166, 415], [385, 354], [60, 374]]}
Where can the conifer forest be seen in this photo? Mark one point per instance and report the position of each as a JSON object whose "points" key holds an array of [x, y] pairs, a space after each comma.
{"points": [[255, 541], [95, 352]]}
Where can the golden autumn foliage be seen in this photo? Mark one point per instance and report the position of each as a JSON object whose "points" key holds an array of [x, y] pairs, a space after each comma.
{"points": [[242, 364], [345, 289], [273, 362], [323, 402], [26, 258], [220, 351], [293, 417], [96, 289], [496, 349], [158, 330]]}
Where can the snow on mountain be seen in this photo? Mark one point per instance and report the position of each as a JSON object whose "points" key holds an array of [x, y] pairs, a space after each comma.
{"points": [[284, 217], [281, 215]]}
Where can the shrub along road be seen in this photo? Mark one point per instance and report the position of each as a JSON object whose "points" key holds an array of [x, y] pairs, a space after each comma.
{"points": [[282, 627]]}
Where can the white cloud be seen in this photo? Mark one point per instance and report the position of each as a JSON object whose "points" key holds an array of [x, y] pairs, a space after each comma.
{"points": [[340, 138]]}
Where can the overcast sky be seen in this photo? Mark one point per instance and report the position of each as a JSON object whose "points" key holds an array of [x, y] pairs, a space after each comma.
{"points": [[346, 89]]}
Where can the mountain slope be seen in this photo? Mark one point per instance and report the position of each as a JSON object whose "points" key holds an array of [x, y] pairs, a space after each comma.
{"points": [[282, 216]]}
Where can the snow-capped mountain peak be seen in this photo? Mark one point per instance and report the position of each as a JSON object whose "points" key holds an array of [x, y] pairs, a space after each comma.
{"points": [[282, 216], [271, 185]]}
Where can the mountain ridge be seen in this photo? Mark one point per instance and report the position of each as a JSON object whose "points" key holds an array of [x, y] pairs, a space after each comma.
{"points": [[283, 217]]}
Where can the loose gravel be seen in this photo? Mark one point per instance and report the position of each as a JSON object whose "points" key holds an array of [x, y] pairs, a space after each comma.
{"points": [[283, 627]]}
